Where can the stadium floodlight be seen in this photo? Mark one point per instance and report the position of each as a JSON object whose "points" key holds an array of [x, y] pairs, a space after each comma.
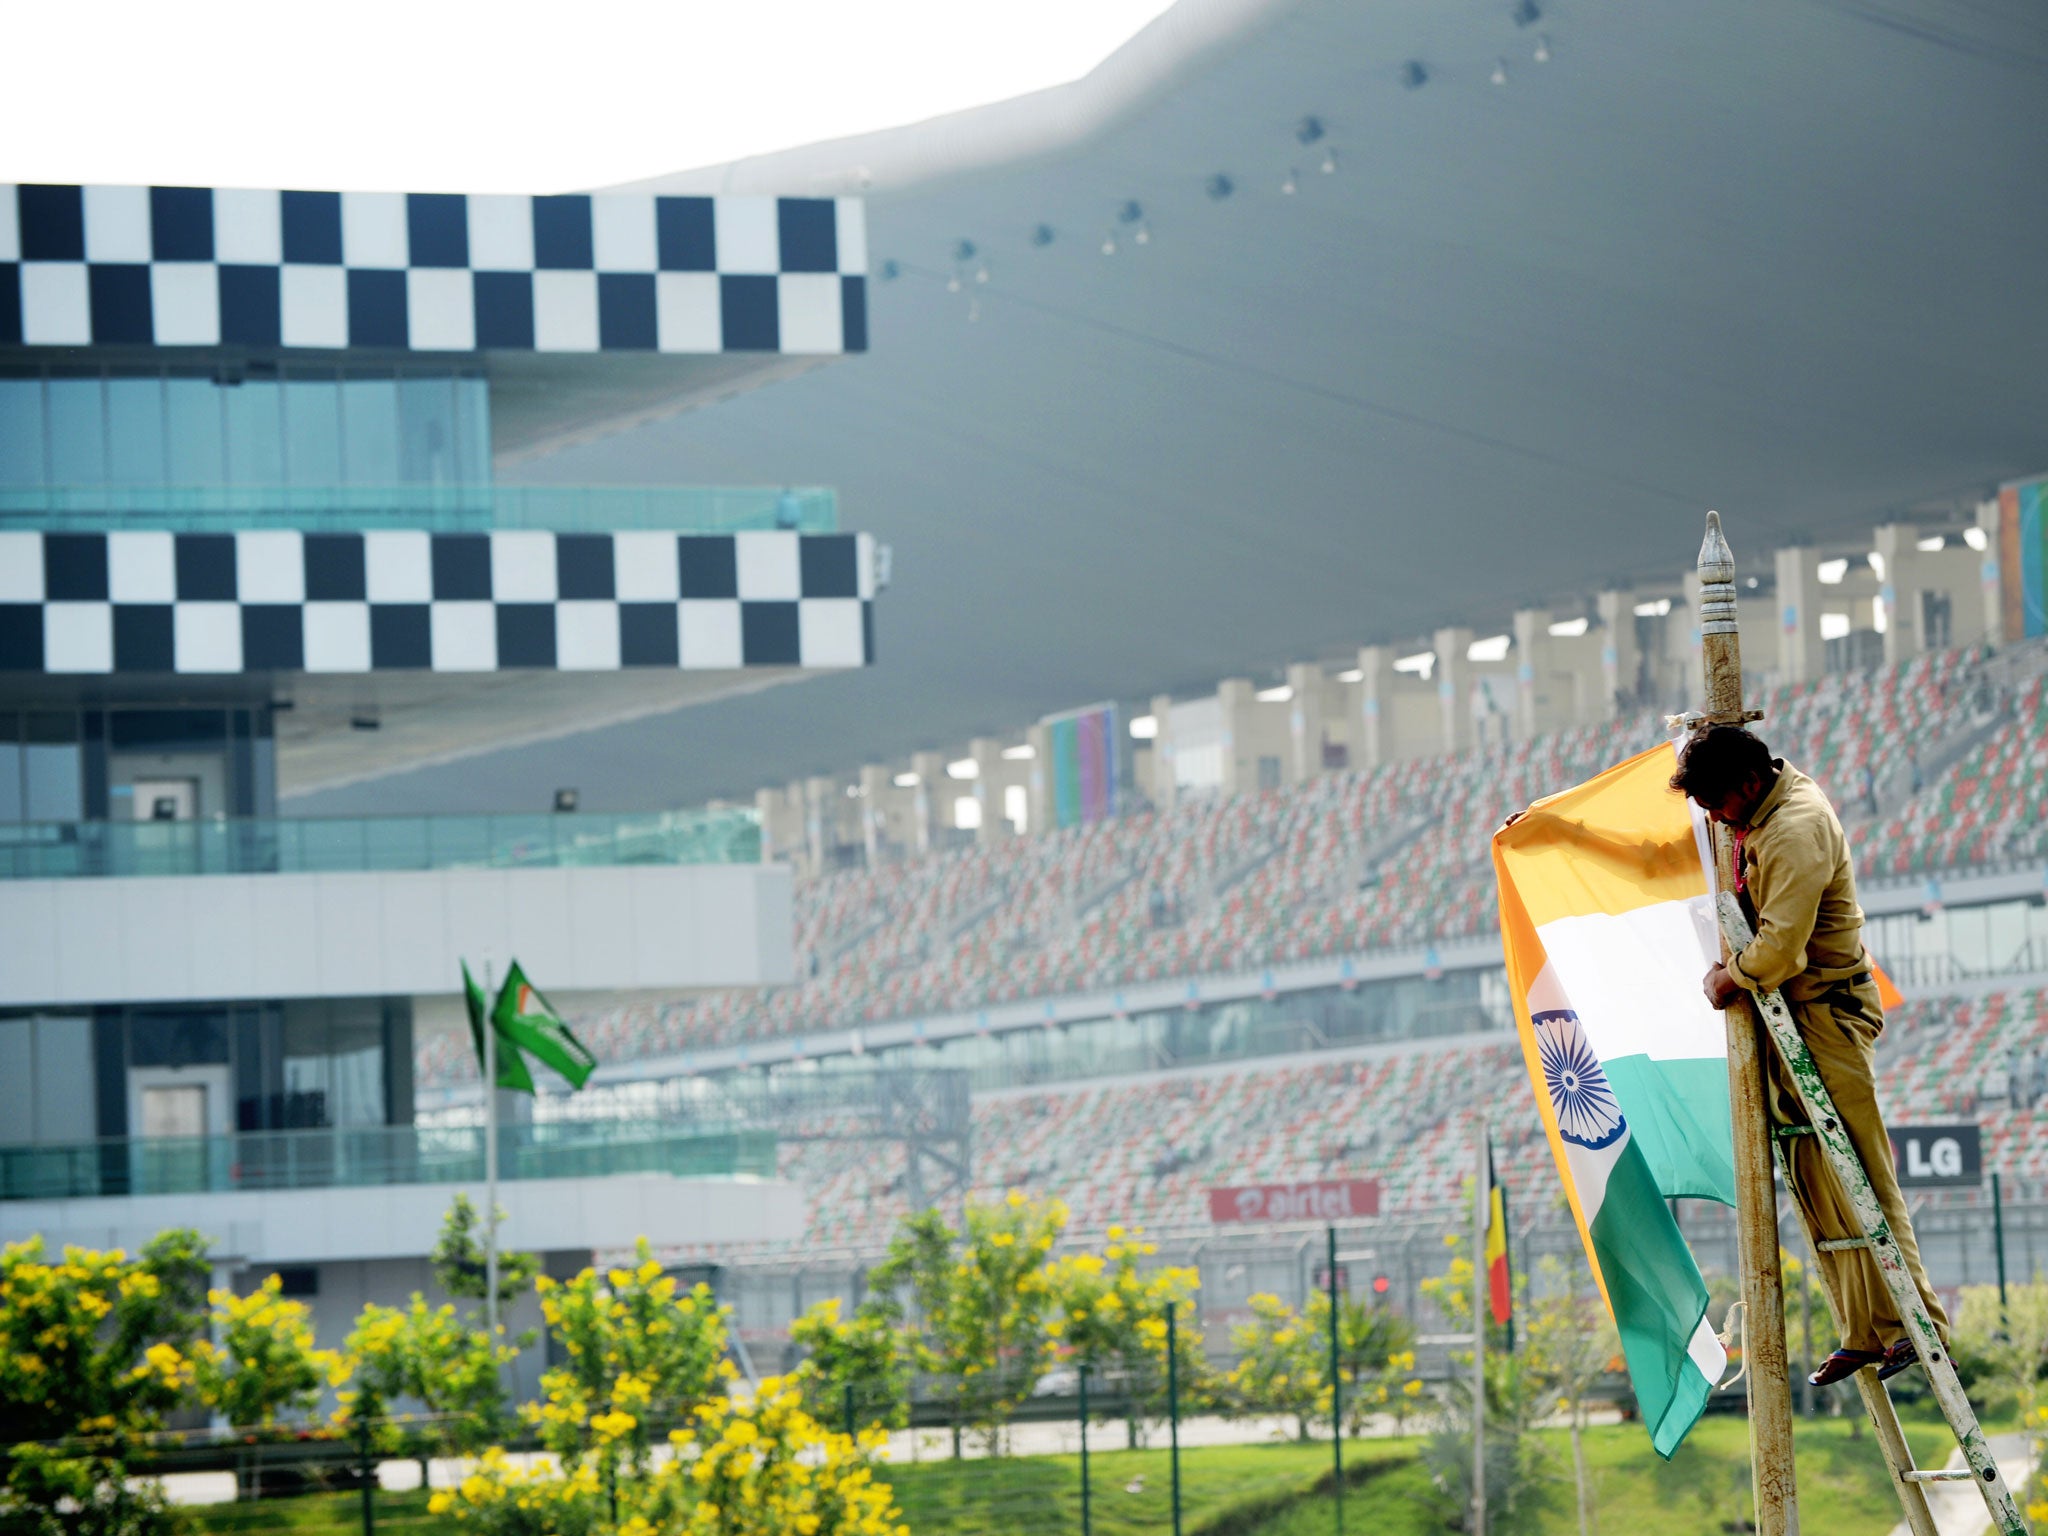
{"points": [[1876, 562], [1020, 754], [905, 781], [967, 813], [1656, 608], [1569, 629], [1145, 727], [963, 768], [1490, 648], [1351, 675], [1834, 626], [1977, 539], [1931, 543], [1832, 573], [1278, 695], [1422, 664]]}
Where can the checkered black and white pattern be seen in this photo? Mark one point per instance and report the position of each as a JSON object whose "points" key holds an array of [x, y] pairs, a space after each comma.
{"points": [[430, 271], [285, 601]]}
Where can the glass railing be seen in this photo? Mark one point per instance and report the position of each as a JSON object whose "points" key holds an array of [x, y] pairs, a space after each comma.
{"points": [[442, 508], [382, 1154], [62, 850]]}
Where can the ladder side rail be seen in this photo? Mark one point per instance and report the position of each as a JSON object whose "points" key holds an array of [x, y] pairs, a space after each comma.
{"points": [[1849, 1172]]}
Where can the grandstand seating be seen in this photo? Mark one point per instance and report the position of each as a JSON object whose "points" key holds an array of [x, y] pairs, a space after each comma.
{"points": [[1349, 862]]}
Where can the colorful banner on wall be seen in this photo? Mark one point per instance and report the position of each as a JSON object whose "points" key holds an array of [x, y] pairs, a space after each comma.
{"points": [[2023, 558], [1083, 751]]}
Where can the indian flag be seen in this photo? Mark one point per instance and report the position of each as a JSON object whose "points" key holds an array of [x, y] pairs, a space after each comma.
{"points": [[1608, 927]]}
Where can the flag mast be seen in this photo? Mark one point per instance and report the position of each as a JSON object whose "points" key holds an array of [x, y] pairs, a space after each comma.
{"points": [[491, 1157], [1756, 1203], [1482, 1212]]}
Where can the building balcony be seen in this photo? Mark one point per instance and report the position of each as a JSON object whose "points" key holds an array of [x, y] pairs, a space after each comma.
{"points": [[440, 508], [375, 1156], [72, 850]]}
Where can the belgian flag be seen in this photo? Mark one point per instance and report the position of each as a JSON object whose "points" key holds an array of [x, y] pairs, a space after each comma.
{"points": [[1500, 1277]]}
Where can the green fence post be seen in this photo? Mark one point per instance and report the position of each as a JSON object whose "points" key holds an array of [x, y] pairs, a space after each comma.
{"points": [[369, 1470], [1173, 1408], [1087, 1525], [1998, 1235], [849, 1409], [1336, 1384]]}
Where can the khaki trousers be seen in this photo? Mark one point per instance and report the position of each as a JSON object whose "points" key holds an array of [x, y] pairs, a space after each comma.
{"points": [[1840, 1028]]}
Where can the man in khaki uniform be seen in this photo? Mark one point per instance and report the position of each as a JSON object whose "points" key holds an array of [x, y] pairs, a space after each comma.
{"points": [[1794, 876]]}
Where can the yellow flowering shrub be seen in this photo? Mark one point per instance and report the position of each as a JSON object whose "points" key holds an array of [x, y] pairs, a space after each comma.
{"points": [[742, 1467], [264, 1362]]}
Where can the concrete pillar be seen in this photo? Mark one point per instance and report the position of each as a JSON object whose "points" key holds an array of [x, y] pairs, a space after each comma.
{"points": [[1376, 705], [1236, 698], [875, 784], [987, 753], [1802, 654], [822, 799], [1991, 583], [1532, 670], [1305, 720], [1163, 787], [1620, 658], [1454, 687], [1897, 590], [1043, 813], [768, 806], [930, 810], [1695, 652]]}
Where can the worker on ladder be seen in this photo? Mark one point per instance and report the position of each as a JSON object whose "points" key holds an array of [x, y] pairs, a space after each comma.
{"points": [[1793, 873]]}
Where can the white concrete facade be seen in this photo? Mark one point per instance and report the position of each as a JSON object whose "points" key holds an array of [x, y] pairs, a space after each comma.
{"points": [[224, 937], [399, 1221]]}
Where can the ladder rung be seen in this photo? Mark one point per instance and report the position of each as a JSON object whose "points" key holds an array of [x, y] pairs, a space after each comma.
{"points": [[1842, 1244], [1956, 1475]]}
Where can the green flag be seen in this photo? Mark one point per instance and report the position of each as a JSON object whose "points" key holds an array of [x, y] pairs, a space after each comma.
{"points": [[526, 1018], [512, 1071]]}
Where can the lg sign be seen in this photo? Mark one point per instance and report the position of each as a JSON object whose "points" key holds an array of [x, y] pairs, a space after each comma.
{"points": [[1937, 1156]]}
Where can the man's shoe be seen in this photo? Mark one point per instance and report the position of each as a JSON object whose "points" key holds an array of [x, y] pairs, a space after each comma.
{"points": [[1843, 1364], [1899, 1358]]}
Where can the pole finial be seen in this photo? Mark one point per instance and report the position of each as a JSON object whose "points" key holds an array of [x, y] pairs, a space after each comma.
{"points": [[1717, 560]]}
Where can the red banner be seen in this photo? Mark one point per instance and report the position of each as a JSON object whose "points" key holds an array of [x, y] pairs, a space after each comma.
{"points": [[1315, 1200]]}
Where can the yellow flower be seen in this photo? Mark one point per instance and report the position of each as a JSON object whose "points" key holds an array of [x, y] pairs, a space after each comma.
{"points": [[1412, 1389]]}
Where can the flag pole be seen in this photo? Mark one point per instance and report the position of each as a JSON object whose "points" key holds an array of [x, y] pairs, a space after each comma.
{"points": [[490, 1152], [1756, 1205], [1481, 1210]]}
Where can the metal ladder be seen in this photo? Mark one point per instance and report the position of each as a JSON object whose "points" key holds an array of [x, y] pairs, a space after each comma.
{"points": [[1910, 1481]]}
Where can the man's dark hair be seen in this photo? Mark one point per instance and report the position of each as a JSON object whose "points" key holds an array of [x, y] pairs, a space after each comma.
{"points": [[1718, 761]]}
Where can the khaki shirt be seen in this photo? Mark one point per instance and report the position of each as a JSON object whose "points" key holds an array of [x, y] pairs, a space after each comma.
{"points": [[1809, 929]]}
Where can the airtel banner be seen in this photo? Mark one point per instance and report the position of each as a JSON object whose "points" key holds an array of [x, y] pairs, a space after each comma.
{"points": [[1318, 1200]]}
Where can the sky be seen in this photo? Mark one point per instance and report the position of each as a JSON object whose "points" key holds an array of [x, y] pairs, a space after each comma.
{"points": [[507, 96]]}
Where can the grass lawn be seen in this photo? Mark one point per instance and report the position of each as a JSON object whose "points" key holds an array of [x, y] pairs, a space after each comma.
{"points": [[1844, 1488], [1265, 1490]]}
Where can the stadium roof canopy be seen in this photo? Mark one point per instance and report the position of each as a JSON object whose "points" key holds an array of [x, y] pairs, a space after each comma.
{"points": [[1780, 257]]}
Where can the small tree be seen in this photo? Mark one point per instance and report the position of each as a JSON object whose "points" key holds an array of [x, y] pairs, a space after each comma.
{"points": [[1282, 1365], [2005, 1347], [1375, 1354], [981, 1303], [860, 1360], [460, 1266], [1517, 1399], [95, 1348], [430, 1356], [1110, 1316], [1571, 1344]]}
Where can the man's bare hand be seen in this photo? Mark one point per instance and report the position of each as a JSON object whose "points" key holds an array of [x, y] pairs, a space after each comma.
{"points": [[1721, 988]]}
